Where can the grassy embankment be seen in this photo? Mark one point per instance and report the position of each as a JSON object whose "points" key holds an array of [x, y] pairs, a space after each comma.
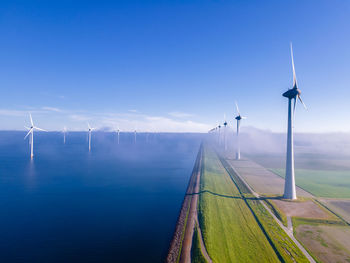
{"points": [[236, 229], [321, 183], [285, 247], [229, 230], [277, 212], [196, 252]]}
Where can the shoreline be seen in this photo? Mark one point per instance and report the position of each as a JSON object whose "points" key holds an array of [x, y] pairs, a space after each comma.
{"points": [[176, 252]]}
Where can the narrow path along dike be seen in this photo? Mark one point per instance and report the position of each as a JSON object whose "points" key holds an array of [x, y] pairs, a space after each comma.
{"points": [[180, 247]]}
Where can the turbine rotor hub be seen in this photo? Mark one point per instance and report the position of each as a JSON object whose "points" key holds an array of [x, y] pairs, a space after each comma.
{"points": [[292, 93]]}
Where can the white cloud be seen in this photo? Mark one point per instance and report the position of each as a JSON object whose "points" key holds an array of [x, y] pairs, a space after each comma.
{"points": [[79, 117], [53, 118], [178, 114], [51, 109]]}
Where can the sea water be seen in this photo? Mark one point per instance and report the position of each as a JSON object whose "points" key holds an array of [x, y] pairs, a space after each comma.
{"points": [[117, 203]]}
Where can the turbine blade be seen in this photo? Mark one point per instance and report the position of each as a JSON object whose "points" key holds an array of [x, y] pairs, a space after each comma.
{"points": [[26, 127], [243, 118], [31, 119], [295, 105], [237, 108], [302, 102], [39, 129], [294, 75], [88, 125], [28, 134]]}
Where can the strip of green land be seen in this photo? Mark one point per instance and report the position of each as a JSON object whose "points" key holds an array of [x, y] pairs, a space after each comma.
{"points": [[229, 229], [196, 252]]}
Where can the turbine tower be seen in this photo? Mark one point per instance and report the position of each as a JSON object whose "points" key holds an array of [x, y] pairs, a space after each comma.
{"points": [[89, 133], [31, 132], [219, 138], [225, 124], [238, 118], [64, 134], [291, 94], [135, 136], [118, 134]]}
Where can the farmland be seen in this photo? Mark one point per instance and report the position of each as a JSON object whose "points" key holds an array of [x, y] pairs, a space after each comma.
{"points": [[322, 183]]}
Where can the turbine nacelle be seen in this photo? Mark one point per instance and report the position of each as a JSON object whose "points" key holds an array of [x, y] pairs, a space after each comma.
{"points": [[292, 93], [239, 117], [89, 128]]}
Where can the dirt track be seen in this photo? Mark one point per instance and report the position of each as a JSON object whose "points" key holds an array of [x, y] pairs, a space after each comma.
{"points": [[182, 240]]}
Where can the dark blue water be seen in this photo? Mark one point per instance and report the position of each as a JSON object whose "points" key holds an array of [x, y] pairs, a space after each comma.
{"points": [[118, 203]]}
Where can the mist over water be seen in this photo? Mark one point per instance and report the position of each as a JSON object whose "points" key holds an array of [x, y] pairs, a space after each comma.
{"points": [[325, 151], [118, 203]]}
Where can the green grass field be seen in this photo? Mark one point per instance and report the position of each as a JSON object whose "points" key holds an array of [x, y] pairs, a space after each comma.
{"points": [[321, 183], [283, 245], [230, 231], [196, 252]]}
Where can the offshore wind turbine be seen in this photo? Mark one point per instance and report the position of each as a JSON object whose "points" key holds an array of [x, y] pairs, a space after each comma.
{"points": [[89, 134], [135, 136], [64, 134], [291, 94], [31, 132], [238, 118], [118, 134]]}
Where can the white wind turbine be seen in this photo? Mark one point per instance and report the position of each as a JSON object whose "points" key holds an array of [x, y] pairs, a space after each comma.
{"points": [[291, 94], [135, 136], [118, 134], [135, 133], [89, 133], [238, 118], [219, 134], [31, 132], [64, 134], [225, 131]]}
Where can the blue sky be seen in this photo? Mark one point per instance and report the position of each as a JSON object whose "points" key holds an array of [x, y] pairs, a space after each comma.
{"points": [[173, 65]]}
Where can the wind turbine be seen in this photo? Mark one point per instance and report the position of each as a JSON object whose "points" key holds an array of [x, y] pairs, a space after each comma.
{"points": [[291, 94], [135, 136], [89, 133], [225, 124], [219, 138], [118, 134], [64, 134], [238, 118], [31, 131]]}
